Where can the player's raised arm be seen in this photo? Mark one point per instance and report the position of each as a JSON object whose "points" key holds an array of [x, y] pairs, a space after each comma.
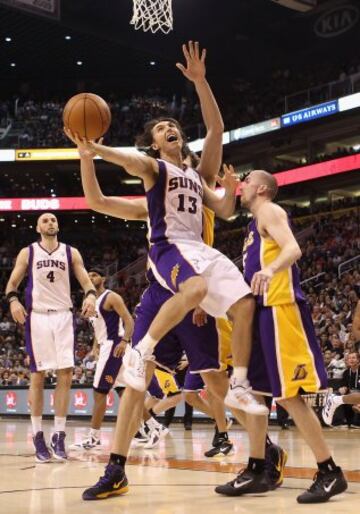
{"points": [[88, 307], [133, 161], [117, 207], [17, 310], [223, 206], [195, 71]]}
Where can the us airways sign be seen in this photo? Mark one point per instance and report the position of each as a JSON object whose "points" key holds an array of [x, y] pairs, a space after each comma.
{"points": [[337, 21]]}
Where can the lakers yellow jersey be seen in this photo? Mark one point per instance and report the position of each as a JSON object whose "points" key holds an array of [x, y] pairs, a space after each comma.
{"points": [[208, 226]]}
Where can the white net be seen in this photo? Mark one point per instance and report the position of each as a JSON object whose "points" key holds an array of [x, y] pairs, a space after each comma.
{"points": [[152, 15]]}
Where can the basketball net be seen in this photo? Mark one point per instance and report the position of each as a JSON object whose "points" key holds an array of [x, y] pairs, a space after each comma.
{"points": [[153, 15]]}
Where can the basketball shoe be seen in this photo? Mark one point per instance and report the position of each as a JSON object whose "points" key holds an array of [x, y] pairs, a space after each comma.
{"points": [[57, 445], [142, 435], [275, 461], [89, 443], [239, 397], [223, 448], [42, 453], [247, 482], [155, 437], [332, 403], [134, 369], [326, 484], [113, 483]]}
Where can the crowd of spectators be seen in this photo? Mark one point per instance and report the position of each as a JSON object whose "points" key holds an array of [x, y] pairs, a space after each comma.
{"points": [[332, 240], [38, 123]]}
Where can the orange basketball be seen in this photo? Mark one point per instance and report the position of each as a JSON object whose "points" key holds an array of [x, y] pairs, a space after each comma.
{"points": [[87, 115]]}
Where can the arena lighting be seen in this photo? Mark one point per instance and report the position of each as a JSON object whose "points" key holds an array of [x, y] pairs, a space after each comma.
{"points": [[284, 178]]}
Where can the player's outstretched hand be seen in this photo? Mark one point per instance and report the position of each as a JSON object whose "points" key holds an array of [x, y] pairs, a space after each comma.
{"points": [[195, 63], [88, 307], [85, 148], [261, 281], [199, 317], [229, 181], [18, 312]]}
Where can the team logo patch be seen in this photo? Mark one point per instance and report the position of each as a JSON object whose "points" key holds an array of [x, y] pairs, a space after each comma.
{"points": [[300, 372], [174, 274], [109, 379]]}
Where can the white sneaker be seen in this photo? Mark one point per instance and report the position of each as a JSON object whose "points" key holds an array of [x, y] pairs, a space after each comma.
{"points": [[134, 369], [156, 436], [328, 411], [89, 443], [240, 397]]}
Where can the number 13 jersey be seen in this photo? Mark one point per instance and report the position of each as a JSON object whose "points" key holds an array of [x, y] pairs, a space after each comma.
{"points": [[175, 205], [48, 286]]}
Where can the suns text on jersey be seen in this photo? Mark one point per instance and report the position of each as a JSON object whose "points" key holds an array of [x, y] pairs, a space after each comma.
{"points": [[185, 183], [51, 263]]}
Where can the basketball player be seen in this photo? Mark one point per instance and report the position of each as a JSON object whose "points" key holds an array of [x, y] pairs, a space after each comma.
{"points": [[179, 259], [49, 327], [113, 327], [288, 348]]}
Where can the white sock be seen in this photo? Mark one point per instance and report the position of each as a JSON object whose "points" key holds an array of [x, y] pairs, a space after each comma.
{"points": [[59, 424], [95, 433], [152, 423], [240, 373], [146, 345], [339, 400], [36, 422]]}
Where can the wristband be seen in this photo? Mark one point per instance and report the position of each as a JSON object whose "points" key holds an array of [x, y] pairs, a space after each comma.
{"points": [[11, 296], [91, 291]]}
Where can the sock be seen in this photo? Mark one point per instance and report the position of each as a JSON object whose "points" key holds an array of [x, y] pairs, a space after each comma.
{"points": [[240, 373], [36, 422], [268, 442], [146, 345], [257, 466], [117, 459], [327, 465], [338, 400], [95, 433], [59, 424], [223, 435], [153, 423]]}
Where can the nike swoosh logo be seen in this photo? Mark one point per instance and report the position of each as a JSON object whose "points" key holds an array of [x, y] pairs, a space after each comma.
{"points": [[330, 486], [238, 485], [117, 484]]}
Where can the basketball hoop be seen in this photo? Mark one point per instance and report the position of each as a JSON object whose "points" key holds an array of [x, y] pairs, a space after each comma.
{"points": [[153, 15]]}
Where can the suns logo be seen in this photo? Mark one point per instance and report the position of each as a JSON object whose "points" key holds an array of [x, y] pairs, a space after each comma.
{"points": [[174, 274], [300, 372], [109, 379]]}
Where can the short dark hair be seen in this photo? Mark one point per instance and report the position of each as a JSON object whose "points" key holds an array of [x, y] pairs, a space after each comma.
{"points": [[97, 269], [144, 140]]}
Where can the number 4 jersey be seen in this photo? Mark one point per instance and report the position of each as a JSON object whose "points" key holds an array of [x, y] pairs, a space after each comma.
{"points": [[48, 286]]}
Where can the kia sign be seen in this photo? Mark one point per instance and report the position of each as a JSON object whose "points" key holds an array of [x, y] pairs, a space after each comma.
{"points": [[309, 114], [337, 21]]}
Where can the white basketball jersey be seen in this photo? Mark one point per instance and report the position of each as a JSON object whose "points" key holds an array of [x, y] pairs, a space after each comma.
{"points": [[108, 325], [48, 286], [175, 205]]}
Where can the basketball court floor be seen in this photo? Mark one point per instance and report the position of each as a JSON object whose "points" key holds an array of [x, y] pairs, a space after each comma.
{"points": [[173, 479]]}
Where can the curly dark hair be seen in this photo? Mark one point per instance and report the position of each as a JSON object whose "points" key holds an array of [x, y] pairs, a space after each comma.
{"points": [[144, 141]]}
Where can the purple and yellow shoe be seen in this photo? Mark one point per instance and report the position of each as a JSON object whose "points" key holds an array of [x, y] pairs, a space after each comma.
{"points": [[113, 483]]}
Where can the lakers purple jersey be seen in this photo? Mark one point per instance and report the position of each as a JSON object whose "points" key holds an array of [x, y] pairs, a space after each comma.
{"points": [[175, 205], [259, 252]]}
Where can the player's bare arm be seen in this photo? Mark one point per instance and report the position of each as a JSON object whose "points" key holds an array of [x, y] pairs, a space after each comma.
{"points": [[88, 306], [133, 161], [195, 71], [223, 206], [356, 323], [273, 223], [17, 310], [115, 302]]}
